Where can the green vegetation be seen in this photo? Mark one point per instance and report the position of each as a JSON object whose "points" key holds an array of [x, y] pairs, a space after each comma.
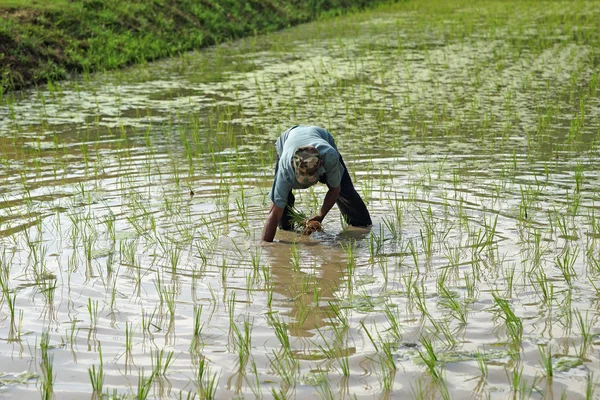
{"points": [[48, 40], [35, 4]]}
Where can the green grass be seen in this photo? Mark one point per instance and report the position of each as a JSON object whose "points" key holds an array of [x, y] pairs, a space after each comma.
{"points": [[47, 41], [34, 4]]}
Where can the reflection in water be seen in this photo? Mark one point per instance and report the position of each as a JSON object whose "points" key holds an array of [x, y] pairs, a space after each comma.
{"points": [[306, 275]]}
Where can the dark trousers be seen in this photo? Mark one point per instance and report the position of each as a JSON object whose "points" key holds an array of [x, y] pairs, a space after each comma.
{"points": [[349, 202]]}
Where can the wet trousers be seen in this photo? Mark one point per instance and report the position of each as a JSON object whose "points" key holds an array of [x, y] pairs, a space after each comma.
{"points": [[349, 202]]}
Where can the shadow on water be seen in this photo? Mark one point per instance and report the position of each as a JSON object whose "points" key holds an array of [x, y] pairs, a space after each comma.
{"points": [[307, 277]]}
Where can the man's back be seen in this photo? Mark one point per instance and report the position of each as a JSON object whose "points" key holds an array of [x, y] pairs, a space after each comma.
{"points": [[288, 142]]}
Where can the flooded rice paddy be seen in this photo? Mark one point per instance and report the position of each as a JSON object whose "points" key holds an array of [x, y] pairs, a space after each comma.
{"points": [[132, 205]]}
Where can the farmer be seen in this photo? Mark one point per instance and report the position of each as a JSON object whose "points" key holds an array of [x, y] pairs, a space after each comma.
{"points": [[307, 155]]}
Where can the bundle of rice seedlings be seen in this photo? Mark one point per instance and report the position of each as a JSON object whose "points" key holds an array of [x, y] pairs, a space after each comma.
{"points": [[311, 226], [301, 223]]}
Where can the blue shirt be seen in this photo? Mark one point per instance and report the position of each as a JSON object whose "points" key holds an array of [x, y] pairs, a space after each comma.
{"points": [[288, 142]]}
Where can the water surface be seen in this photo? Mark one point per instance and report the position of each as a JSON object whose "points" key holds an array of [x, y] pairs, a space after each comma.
{"points": [[132, 205]]}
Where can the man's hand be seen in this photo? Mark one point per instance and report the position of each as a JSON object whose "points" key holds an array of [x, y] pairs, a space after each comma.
{"points": [[271, 223], [319, 218]]}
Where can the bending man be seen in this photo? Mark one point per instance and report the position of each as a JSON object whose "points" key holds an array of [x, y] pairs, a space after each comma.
{"points": [[307, 155]]}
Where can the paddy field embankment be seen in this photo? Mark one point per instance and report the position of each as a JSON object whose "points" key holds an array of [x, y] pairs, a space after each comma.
{"points": [[44, 40]]}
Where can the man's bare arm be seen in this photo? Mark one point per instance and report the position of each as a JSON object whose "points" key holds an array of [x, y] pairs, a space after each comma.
{"points": [[271, 223], [330, 199]]}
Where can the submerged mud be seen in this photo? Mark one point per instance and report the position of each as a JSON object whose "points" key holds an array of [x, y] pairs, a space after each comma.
{"points": [[132, 205]]}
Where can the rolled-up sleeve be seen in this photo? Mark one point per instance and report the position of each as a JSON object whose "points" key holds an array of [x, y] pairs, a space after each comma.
{"points": [[333, 169], [280, 191]]}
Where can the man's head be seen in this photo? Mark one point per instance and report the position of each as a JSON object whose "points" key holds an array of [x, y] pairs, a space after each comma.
{"points": [[306, 163]]}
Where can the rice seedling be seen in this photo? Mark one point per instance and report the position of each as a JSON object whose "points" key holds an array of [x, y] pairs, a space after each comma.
{"points": [[129, 332], [393, 229], [566, 261], [196, 343], [336, 351], [590, 386], [430, 360], [168, 296], [97, 377], [281, 333], [517, 383], [441, 330], [286, 368], [255, 385], [48, 289], [452, 255], [427, 236], [387, 358], [243, 342], [387, 378], [206, 381], [9, 296], [513, 324], [92, 307], [302, 313], [584, 325], [161, 362], [414, 254], [144, 386], [393, 316], [420, 299], [470, 286], [546, 360], [341, 317], [376, 242], [480, 357], [47, 368], [456, 308], [565, 309], [420, 389], [545, 288], [300, 221]]}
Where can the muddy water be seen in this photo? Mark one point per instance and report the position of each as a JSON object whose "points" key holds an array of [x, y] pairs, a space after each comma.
{"points": [[132, 205]]}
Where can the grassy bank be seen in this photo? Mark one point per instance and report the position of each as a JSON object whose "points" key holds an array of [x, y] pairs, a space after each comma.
{"points": [[49, 39]]}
